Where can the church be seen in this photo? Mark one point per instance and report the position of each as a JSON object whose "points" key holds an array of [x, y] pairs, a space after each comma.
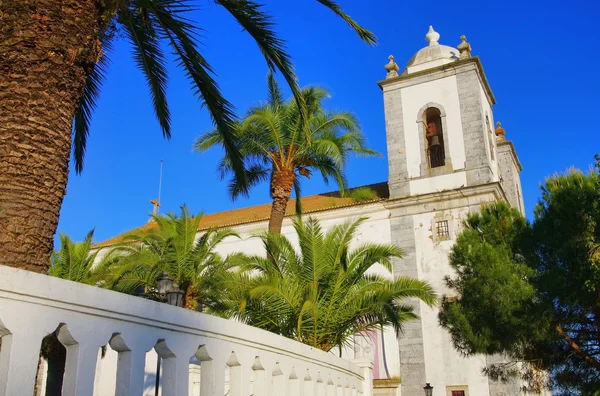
{"points": [[446, 159]]}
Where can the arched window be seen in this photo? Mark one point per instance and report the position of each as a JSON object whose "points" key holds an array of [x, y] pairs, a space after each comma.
{"points": [[435, 137]]}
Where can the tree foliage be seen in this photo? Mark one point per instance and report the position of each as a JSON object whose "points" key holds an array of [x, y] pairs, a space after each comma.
{"points": [[152, 26], [74, 261], [322, 293], [532, 291], [280, 144], [172, 247]]}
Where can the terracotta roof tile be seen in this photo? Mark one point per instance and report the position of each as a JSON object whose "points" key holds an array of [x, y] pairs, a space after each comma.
{"points": [[310, 204]]}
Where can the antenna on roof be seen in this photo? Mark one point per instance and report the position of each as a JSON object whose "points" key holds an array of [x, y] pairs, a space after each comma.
{"points": [[156, 202]]}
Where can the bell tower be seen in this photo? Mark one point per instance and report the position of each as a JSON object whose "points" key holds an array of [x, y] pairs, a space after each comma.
{"points": [[445, 161], [438, 114]]}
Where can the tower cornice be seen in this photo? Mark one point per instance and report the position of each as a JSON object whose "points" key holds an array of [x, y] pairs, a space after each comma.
{"points": [[438, 72]]}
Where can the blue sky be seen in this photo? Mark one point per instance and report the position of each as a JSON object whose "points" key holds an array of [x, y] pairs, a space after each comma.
{"points": [[540, 57]]}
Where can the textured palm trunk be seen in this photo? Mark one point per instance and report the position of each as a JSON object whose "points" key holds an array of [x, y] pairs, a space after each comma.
{"points": [[281, 190], [46, 49]]}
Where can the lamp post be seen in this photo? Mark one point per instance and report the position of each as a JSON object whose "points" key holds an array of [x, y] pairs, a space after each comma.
{"points": [[428, 389], [166, 288]]}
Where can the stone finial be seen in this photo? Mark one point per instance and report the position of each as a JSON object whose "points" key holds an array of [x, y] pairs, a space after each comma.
{"points": [[464, 48], [500, 132], [432, 37], [391, 67]]}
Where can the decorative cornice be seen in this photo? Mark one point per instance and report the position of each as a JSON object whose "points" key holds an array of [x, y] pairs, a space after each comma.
{"points": [[442, 71], [416, 204]]}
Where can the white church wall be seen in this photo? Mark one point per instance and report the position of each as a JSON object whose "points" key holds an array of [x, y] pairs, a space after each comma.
{"points": [[438, 183], [443, 91], [486, 108], [444, 365], [376, 229]]}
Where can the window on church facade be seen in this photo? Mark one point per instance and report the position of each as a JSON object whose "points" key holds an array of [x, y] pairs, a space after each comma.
{"points": [[457, 390], [442, 230], [435, 138]]}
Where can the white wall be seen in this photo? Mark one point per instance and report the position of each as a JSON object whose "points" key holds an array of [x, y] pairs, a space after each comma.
{"points": [[444, 366], [487, 109]]}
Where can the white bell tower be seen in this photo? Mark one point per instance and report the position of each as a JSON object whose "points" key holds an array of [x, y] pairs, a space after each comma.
{"points": [[439, 121], [444, 163]]}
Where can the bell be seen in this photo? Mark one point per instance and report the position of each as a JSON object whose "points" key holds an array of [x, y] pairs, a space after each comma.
{"points": [[435, 141]]}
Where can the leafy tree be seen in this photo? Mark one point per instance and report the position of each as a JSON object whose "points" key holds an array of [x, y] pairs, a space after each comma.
{"points": [[532, 292], [493, 298], [566, 254], [54, 59], [279, 144], [75, 260], [172, 247], [321, 294]]}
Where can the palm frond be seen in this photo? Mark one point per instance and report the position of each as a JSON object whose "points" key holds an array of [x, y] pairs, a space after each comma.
{"points": [[312, 296], [141, 30], [88, 101], [181, 35], [364, 34], [259, 25], [275, 96]]}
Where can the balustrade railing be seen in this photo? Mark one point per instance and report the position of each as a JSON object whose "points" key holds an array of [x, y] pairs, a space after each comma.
{"points": [[86, 318]]}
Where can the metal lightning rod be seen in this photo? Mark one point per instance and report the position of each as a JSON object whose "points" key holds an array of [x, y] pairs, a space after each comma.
{"points": [[159, 184], [156, 202]]}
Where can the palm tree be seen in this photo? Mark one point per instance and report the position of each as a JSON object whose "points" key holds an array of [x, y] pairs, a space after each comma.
{"points": [[321, 294], [173, 247], [54, 58], [75, 260], [279, 144]]}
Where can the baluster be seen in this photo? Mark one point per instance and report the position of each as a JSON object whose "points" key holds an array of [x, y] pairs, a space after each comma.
{"points": [[18, 362], [131, 367], [348, 391], [235, 376], [80, 369], [308, 388], [176, 365], [293, 384], [278, 381], [260, 378], [330, 388], [320, 386]]}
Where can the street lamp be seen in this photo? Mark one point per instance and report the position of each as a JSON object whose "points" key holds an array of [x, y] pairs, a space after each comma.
{"points": [[428, 389], [164, 283], [174, 296], [166, 288]]}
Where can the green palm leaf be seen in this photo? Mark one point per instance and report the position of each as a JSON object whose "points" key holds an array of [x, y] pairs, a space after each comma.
{"points": [[321, 294], [279, 143]]}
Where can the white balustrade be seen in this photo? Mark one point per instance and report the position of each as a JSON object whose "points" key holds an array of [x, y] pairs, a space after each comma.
{"points": [[85, 318]]}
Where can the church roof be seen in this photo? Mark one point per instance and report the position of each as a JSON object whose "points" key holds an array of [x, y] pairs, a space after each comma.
{"points": [[251, 214], [435, 54]]}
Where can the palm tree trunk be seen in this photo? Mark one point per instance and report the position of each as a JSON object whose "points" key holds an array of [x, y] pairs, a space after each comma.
{"points": [[281, 190], [47, 47]]}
